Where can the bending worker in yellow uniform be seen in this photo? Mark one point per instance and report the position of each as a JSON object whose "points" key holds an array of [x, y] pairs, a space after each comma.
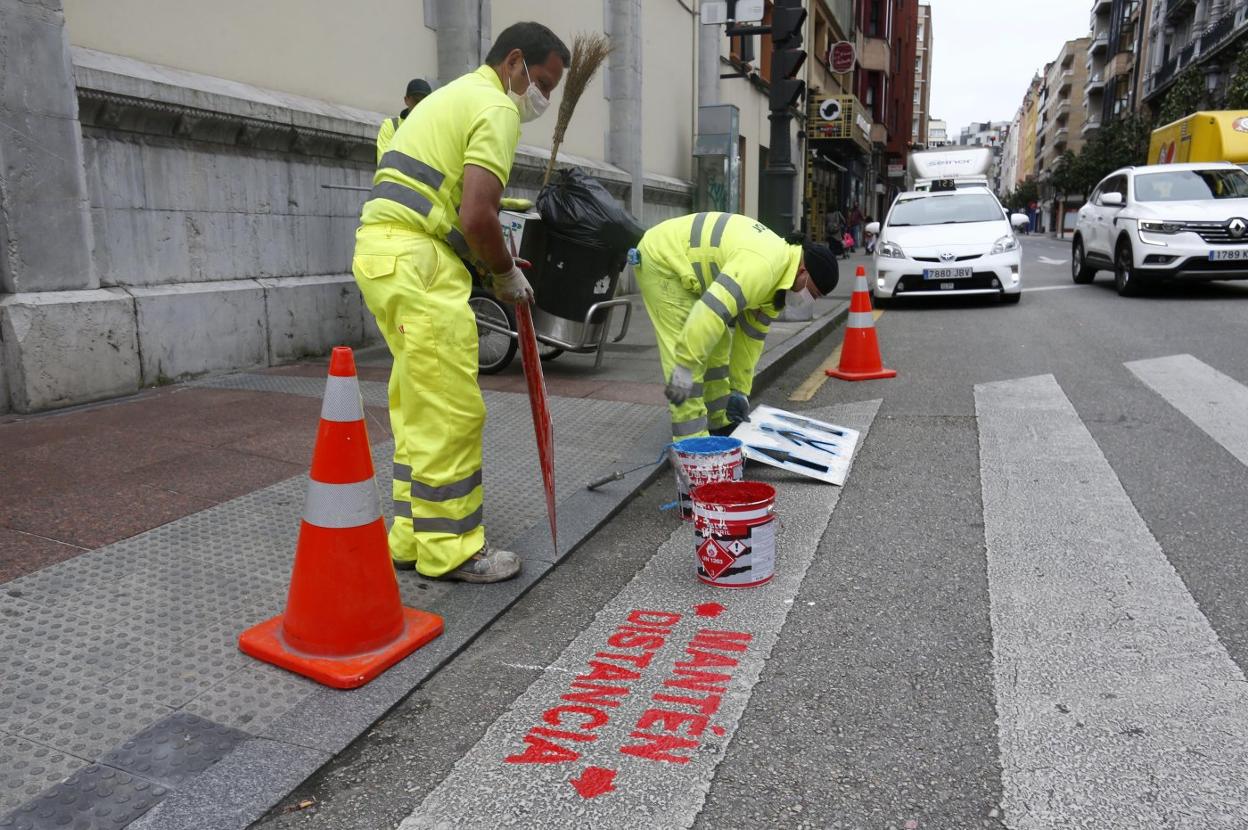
{"points": [[417, 90], [713, 283], [435, 197]]}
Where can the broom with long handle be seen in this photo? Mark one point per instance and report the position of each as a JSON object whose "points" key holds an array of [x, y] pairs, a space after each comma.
{"points": [[589, 51]]}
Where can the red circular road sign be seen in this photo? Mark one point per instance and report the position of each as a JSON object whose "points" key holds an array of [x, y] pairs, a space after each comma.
{"points": [[842, 56]]}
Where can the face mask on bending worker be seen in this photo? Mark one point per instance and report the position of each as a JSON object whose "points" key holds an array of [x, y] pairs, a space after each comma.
{"points": [[532, 103]]}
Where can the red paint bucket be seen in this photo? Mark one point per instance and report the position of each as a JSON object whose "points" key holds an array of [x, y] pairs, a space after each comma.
{"points": [[735, 533]]}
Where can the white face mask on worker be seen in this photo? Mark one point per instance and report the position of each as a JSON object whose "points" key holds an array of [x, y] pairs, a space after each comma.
{"points": [[798, 299], [532, 103]]}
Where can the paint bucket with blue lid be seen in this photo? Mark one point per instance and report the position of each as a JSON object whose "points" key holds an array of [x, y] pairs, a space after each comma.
{"points": [[705, 460]]}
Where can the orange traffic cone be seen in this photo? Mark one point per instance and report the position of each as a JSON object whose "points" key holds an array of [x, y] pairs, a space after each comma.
{"points": [[344, 623], [860, 354]]}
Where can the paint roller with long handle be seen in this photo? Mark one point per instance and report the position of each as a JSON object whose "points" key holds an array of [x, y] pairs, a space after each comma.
{"points": [[620, 474]]}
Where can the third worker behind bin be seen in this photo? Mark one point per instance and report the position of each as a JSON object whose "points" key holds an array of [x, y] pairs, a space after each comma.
{"points": [[712, 284]]}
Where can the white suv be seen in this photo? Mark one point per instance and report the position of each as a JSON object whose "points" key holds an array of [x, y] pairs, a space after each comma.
{"points": [[1164, 221]]}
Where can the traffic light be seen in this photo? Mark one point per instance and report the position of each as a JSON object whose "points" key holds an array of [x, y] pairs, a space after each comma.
{"points": [[787, 56]]}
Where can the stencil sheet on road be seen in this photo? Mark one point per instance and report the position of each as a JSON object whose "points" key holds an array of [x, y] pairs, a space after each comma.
{"points": [[627, 727], [798, 443], [1118, 705]]}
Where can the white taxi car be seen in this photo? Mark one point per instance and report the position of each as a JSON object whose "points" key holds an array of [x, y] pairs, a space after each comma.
{"points": [[1164, 222], [947, 242]]}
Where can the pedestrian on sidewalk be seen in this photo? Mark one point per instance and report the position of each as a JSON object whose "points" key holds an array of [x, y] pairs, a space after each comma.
{"points": [[834, 225], [417, 90], [712, 284], [436, 198], [855, 225]]}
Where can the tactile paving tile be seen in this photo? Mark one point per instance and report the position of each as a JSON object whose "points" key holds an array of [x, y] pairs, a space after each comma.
{"points": [[94, 720], [174, 749], [27, 769], [190, 668], [98, 567], [93, 798], [30, 690], [253, 698]]}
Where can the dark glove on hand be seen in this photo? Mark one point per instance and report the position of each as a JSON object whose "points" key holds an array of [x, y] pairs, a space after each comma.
{"points": [[738, 408]]}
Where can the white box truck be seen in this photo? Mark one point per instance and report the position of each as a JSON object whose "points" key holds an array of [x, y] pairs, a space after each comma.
{"points": [[962, 166]]}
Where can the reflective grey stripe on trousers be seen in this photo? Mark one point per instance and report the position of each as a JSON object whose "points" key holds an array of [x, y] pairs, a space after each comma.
{"points": [[413, 168], [717, 232], [718, 405], [456, 526], [404, 195], [695, 235], [683, 428], [341, 505], [457, 242], [454, 490], [716, 373], [401, 472]]}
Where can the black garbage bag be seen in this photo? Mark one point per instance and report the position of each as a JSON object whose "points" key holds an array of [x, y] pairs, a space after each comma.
{"points": [[577, 206]]}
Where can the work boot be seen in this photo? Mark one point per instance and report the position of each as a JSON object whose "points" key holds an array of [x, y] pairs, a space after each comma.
{"points": [[487, 565]]}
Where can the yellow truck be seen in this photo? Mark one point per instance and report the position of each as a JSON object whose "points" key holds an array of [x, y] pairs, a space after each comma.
{"points": [[1202, 136]]}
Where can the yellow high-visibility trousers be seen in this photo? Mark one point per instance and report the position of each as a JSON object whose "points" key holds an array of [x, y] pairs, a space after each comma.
{"points": [[668, 303], [418, 290]]}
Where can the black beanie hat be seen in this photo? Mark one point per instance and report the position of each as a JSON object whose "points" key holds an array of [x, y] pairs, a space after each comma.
{"points": [[417, 86], [821, 263]]}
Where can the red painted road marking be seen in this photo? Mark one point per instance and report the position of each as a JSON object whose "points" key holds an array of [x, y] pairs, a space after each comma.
{"points": [[594, 781], [709, 609]]}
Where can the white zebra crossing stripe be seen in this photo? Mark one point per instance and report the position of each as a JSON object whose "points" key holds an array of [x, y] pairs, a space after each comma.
{"points": [[1117, 705], [1211, 400], [626, 728]]}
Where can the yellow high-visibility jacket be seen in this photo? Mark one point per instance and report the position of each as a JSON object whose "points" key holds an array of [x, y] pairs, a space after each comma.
{"points": [[385, 134], [734, 266], [420, 179]]}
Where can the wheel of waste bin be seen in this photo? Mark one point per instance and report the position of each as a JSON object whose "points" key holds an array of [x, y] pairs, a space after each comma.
{"points": [[495, 350]]}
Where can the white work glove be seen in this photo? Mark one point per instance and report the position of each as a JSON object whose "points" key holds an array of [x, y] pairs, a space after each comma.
{"points": [[513, 287], [680, 386]]}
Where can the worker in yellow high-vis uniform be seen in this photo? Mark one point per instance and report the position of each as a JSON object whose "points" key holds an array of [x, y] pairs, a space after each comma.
{"points": [[712, 284], [417, 90], [435, 198]]}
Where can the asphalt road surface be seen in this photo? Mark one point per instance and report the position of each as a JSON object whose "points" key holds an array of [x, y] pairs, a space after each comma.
{"points": [[1024, 609]]}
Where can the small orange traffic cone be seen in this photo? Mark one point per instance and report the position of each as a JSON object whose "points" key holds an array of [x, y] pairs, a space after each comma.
{"points": [[860, 354], [344, 623]]}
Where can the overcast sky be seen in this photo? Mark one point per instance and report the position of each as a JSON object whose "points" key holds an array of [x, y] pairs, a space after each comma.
{"points": [[985, 52]]}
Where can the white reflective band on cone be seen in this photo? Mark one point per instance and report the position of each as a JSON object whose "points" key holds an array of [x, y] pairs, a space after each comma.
{"points": [[861, 284], [341, 505], [342, 401], [861, 320], [731, 515]]}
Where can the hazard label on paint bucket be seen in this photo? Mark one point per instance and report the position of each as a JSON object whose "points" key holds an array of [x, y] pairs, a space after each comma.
{"points": [[714, 558]]}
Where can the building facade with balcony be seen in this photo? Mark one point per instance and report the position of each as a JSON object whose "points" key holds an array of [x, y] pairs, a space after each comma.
{"points": [[1059, 125], [887, 48], [937, 132], [922, 77], [1115, 60], [1208, 35], [838, 142]]}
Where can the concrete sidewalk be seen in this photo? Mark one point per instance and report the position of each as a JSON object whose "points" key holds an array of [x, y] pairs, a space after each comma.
{"points": [[139, 537]]}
